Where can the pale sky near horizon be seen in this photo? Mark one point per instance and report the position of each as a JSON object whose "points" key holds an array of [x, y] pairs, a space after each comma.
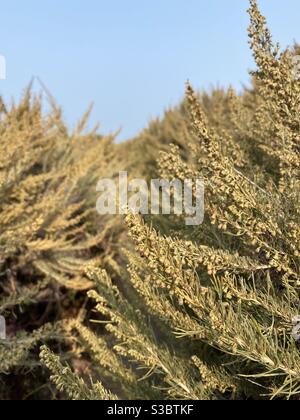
{"points": [[131, 57]]}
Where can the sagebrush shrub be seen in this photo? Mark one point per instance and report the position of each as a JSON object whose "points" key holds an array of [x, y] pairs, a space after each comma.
{"points": [[48, 226], [207, 312], [210, 314]]}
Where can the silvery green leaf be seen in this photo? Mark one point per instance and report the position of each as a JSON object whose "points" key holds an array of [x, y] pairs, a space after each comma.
{"points": [[2, 328]]}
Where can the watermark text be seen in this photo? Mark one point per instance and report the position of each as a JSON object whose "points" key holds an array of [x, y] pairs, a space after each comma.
{"points": [[159, 197]]}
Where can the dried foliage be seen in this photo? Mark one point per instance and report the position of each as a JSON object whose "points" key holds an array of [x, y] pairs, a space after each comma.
{"points": [[200, 313], [49, 228]]}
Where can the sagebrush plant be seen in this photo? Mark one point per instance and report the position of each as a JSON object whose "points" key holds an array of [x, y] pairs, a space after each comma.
{"points": [[48, 226], [204, 312], [211, 309]]}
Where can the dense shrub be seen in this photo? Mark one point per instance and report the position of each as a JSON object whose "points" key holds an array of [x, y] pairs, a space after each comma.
{"points": [[206, 312], [48, 225], [215, 307]]}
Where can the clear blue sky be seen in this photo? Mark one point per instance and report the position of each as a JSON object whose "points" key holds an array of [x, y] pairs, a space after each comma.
{"points": [[131, 57]]}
